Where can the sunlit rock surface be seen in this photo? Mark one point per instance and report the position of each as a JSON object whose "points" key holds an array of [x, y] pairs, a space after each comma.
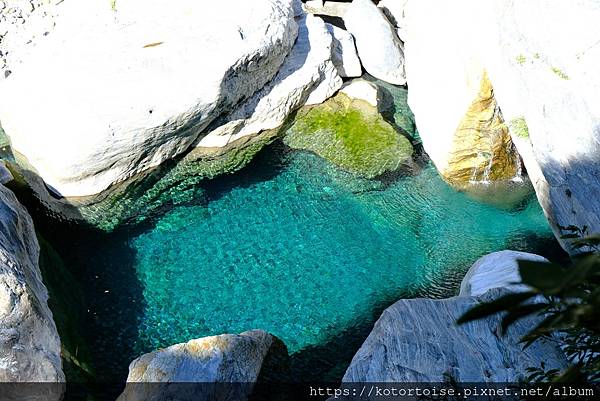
{"points": [[417, 340], [233, 359], [496, 270], [118, 90], [379, 48], [541, 58], [344, 54], [29, 342]]}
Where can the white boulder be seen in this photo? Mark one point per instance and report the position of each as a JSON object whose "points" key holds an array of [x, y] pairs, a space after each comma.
{"points": [[395, 12], [379, 48], [29, 343], [344, 53], [118, 90], [232, 359], [307, 74], [363, 90], [496, 270]]}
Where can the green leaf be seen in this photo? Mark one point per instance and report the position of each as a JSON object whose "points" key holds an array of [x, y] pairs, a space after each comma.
{"points": [[498, 305], [520, 313], [543, 276]]}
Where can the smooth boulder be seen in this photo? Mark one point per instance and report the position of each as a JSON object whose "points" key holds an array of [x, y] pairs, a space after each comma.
{"points": [[29, 344], [344, 54], [118, 90], [417, 340], [379, 48], [496, 270], [223, 367], [307, 70]]}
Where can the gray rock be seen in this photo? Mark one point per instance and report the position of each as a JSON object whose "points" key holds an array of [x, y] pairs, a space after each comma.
{"points": [[117, 91], [307, 75], [417, 340], [208, 361], [496, 270], [5, 174], [344, 54], [29, 342], [379, 48]]}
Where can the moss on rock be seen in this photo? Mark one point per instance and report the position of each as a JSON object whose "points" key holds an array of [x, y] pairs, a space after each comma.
{"points": [[352, 135], [518, 126]]}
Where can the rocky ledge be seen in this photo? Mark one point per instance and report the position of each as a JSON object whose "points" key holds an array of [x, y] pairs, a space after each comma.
{"points": [[29, 343]]}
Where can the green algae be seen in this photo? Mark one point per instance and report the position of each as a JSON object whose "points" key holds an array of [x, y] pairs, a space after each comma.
{"points": [[518, 126], [352, 135]]}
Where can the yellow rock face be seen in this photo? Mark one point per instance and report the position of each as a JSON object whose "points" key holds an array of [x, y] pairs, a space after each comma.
{"points": [[482, 148]]}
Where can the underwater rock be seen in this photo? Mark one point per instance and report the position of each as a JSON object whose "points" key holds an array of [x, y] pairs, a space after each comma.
{"points": [[232, 360], [496, 270], [379, 48], [344, 54], [118, 90], [417, 340], [29, 343], [351, 134]]}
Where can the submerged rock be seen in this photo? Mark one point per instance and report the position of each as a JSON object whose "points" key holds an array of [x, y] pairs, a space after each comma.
{"points": [[417, 340], [225, 367], [496, 270], [29, 342], [119, 90], [379, 48], [351, 134]]}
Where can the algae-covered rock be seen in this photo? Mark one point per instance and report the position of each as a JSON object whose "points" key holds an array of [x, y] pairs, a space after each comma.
{"points": [[482, 149], [351, 134]]}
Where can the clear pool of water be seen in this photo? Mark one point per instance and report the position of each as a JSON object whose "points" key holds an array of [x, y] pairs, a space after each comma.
{"points": [[293, 246]]}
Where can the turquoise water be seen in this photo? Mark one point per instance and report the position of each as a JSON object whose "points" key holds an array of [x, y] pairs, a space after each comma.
{"points": [[293, 246]]}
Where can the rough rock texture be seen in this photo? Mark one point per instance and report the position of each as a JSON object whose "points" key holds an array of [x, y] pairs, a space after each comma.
{"points": [[363, 90], [379, 47], [496, 270], [5, 174], [344, 54], [225, 358], [482, 149], [138, 83], [416, 340], [541, 58], [329, 8], [29, 342], [308, 68], [352, 134], [395, 12], [22, 23]]}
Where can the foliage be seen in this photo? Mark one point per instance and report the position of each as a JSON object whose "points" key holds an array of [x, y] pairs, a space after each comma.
{"points": [[521, 59], [561, 74], [519, 127], [567, 299]]}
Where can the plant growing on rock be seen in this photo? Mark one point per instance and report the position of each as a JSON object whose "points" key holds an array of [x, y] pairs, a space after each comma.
{"points": [[567, 299]]}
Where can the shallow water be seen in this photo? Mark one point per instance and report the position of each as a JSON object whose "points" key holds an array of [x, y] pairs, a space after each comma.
{"points": [[293, 246]]}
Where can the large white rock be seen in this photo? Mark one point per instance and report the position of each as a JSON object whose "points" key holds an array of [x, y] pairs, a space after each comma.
{"points": [[363, 90], [344, 53], [29, 342], [417, 340], [395, 12], [307, 73], [379, 48], [113, 92], [233, 359], [496, 270], [541, 58]]}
